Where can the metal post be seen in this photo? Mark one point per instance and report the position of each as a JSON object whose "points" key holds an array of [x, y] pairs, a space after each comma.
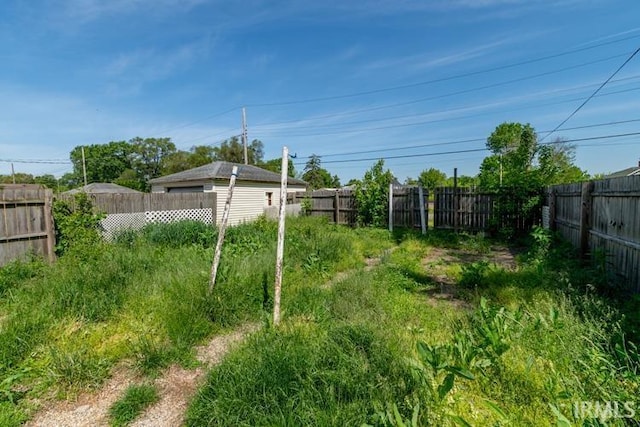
{"points": [[280, 248]]}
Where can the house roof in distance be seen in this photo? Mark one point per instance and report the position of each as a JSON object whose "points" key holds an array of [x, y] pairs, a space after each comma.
{"points": [[101, 188], [635, 170], [222, 170]]}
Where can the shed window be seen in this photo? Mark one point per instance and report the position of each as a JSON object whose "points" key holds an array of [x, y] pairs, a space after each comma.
{"points": [[269, 198]]}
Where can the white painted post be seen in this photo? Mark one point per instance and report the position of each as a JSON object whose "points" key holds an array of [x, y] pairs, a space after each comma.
{"points": [[223, 228], [423, 219], [391, 207], [280, 249]]}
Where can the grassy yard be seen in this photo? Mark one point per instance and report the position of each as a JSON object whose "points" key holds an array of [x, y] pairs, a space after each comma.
{"points": [[437, 334]]}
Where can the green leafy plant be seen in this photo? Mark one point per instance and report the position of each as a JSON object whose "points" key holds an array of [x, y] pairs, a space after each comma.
{"points": [[77, 224], [372, 195]]}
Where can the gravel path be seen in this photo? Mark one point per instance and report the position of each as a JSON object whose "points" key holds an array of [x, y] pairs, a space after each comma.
{"points": [[176, 387]]}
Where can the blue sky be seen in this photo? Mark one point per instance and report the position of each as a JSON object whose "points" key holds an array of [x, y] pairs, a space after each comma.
{"points": [[326, 77]]}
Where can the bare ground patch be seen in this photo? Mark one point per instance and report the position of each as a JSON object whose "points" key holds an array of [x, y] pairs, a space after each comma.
{"points": [[176, 387], [439, 261]]}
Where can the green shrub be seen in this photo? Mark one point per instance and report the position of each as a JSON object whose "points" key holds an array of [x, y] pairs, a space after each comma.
{"points": [[77, 225], [372, 195]]}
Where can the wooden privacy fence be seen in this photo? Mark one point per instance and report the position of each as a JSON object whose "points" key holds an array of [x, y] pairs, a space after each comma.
{"points": [[601, 216], [135, 210], [462, 208], [339, 206], [406, 207], [26, 223]]}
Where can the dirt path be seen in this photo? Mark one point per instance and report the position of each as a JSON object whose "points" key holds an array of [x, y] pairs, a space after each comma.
{"points": [[437, 262], [370, 263], [176, 387]]}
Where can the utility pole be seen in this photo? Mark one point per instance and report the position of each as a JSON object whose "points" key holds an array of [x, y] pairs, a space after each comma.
{"points": [[84, 167], [244, 135], [13, 174]]}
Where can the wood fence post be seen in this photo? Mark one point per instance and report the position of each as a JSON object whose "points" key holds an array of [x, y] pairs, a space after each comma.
{"points": [[423, 219], [455, 199], [553, 194], [336, 207], [280, 248], [49, 225], [391, 207], [223, 227], [585, 216]]}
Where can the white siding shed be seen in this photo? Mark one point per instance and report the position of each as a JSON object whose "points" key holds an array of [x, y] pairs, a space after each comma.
{"points": [[255, 188]]}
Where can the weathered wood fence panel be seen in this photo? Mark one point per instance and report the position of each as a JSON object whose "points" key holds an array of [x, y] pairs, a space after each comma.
{"points": [[144, 202], [566, 216], [134, 210], [602, 217], [406, 207], [26, 223], [339, 206], [463, 208]]}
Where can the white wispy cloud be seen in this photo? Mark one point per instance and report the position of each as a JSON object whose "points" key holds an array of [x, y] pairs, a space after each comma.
{"points": [[128, 72], [90, 10], [426, 61]]}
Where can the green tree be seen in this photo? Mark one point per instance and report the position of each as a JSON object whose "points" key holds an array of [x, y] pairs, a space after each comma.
{"points": [[68, 181], [176, 162], [555, 164], [232, 150], [513, 147], [200, 155], [47, 180], [275, 165], [148, 156], [432, 178], [20, 178], [129, 178], [104, 162], [372, 196], [318, 177]]}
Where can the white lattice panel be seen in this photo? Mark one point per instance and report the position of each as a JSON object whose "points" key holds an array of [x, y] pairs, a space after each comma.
{"points": [[115, 223], [202, 215]]}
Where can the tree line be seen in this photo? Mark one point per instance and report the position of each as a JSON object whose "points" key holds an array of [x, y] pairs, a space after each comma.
{"points": [[516, 159]]}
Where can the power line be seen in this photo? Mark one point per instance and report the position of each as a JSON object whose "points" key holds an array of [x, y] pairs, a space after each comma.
{"points": [[490, 86], [34, 161], [261, 126], [199, 120], [448, 119], [594, 93], [439, 80], [473, 150], [462, 141]]}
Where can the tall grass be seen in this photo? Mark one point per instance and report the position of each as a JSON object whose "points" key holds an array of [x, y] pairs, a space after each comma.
{"points": [[144, 298], [533, 342]]}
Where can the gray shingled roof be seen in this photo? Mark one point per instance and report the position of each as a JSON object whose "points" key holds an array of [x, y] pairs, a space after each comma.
{"points": [[625, 172], [101, 188], [222, 170]]}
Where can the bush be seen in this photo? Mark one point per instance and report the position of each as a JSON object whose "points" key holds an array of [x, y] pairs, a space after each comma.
{"points": [[372, 195], [77, 225]]}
